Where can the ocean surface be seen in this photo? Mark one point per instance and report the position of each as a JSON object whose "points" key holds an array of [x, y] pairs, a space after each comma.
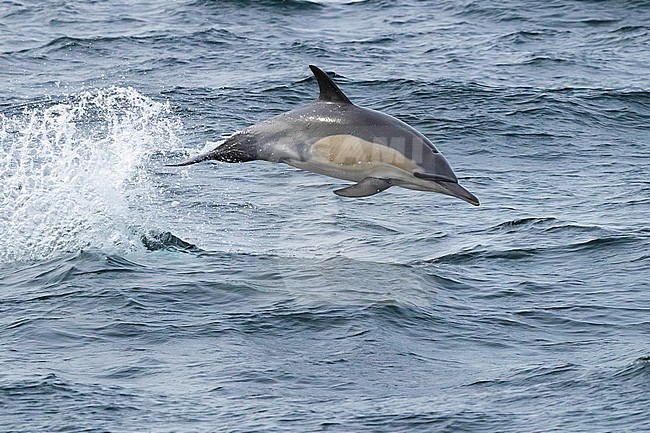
{"points": [[136, 297]]}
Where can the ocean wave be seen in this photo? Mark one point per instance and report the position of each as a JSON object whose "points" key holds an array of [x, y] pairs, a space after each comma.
{"points": [[266, 4], [45, 384], [481, 252], [639, 369], [209, 37], [529, 35]]}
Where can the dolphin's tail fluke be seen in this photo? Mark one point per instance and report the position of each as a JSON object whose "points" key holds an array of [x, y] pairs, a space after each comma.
{"points": [[234, 149], [200, 158]]}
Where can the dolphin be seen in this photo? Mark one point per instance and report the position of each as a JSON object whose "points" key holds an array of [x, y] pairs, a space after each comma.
{"points": [[337, 138]]}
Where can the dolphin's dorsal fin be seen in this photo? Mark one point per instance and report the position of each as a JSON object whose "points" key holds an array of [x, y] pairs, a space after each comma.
{"points": [[329, 91]]}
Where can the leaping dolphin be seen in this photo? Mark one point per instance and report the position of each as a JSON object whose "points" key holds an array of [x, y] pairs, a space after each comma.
{"points": [[337, 138]]}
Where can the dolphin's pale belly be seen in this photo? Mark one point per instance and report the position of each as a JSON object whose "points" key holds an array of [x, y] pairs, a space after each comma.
{"points": [[351, 158]]}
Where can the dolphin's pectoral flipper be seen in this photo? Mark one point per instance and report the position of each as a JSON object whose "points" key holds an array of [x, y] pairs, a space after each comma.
{"points": [[368, 186]]}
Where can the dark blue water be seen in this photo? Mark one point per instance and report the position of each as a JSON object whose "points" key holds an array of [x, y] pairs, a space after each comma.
{"points": [[248, 297]]}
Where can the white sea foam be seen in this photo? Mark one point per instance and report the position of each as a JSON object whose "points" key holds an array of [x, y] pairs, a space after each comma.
{"points": [[70, 172]]}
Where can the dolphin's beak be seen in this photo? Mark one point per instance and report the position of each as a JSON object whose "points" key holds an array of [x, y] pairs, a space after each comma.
{"points": [[454, 189], [450, 186]]}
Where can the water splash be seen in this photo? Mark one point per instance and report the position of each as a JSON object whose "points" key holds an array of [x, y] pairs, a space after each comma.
{"points": [[71, 172]]}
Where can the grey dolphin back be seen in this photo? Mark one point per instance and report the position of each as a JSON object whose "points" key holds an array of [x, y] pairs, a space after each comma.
{"points": [[329, 91]]}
